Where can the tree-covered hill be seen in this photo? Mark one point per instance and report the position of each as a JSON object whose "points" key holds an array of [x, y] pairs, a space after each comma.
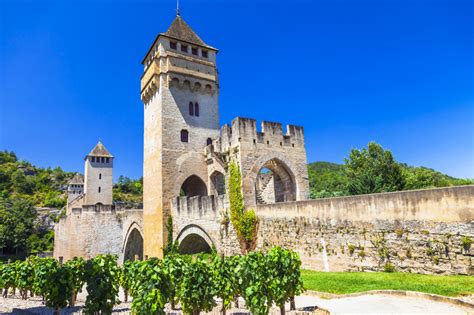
{"points": [[43, 187], [373, 170]]}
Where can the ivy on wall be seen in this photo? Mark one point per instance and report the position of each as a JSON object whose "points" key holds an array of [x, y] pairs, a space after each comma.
{"points": [[245, 222]]}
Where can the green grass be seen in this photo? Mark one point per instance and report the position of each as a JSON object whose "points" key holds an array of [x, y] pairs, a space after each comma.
{"points": [[352, 282]]}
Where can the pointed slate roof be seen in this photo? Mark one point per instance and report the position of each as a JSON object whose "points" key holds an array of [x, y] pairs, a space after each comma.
{"points": [[77, 179], [179, 29], [100, 150]]}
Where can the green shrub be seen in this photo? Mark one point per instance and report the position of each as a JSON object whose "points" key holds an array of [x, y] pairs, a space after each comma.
{"points": [[466, 242], [389, 267], [102, 279]]}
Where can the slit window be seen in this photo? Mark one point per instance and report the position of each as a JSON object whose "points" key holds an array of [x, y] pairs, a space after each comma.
{"points": [[191, 109], [184, 135], [196, 109], [194, 50], [184, 48], [100, 176], [99, 189], [205, 54], [173, 45]]}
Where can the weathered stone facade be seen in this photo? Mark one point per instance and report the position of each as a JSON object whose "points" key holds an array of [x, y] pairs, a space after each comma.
{"points": [[185, 150], [417, 231], [92, 224], [186, 161]]}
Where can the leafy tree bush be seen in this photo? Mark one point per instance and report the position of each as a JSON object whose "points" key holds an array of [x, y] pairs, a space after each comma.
{"points": [[151, 288], [24, 276], [226, 279], [197, 288], [54, 282], [175, 265], [373, 170], [254, 276], [17, 224], [7, 277], [284, 275], [102, 279], [77, 266]]}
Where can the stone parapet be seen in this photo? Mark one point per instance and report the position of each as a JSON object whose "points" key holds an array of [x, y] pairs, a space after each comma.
{"points": [[244, 130], [199, 207]]}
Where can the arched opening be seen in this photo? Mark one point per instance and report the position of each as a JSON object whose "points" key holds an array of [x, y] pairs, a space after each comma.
{"points": [[134, 246], [218, 183], [208, 141], [193, 186], [194, 244], [275, 183]]}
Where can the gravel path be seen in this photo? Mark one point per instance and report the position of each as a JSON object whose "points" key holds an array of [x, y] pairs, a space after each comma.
{"points": [[364, 304]]}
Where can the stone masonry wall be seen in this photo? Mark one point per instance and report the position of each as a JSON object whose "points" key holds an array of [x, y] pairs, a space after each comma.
{"points": [[207, 215], [424, 231], [89, 231]]}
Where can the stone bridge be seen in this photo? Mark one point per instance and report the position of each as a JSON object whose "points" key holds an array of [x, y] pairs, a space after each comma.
{"points": [[199, 224]]}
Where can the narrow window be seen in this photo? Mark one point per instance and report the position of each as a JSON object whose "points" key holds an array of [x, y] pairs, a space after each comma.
{"points": [[102, 159], [99, 189], [194, 50], [191, 109], [196, 109], [184, 48], [209, 141], [184, 135], [93, 159], [107, 160], [205, 54], [173, 45], [100, 176]]}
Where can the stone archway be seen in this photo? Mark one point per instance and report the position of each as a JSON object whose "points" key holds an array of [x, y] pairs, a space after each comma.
{"points": [[133, 245], [274, 182], [193, 239], [193, 186]]}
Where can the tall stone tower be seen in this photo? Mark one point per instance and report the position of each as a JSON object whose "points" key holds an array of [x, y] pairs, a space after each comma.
{"points": [[179, 89], [98, 176]]}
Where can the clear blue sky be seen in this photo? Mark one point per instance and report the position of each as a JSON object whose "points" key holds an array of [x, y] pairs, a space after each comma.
{"points": [[397, 72]]}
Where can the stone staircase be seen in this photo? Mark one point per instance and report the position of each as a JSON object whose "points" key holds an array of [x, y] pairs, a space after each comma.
{"points": [[261, 189]]}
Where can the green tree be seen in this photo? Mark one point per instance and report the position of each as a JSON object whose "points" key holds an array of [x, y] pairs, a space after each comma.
{"points": [[17, 224], [373, 170], [284, 275], [197, 288], [102, 277]]}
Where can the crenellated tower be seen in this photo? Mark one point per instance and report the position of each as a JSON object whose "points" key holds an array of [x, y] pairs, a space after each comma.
{"points": [[179, 90]]}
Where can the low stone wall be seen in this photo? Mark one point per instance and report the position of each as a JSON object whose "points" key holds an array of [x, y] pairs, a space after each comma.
{"points": [[423, 231], [91, 231]]}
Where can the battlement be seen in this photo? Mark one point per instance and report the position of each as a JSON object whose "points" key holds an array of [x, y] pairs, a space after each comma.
{"points": [[198, 207], [271, 134], [100, 208]]}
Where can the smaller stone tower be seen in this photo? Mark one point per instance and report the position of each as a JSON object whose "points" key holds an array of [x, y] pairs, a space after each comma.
{"points": [[98, 176], [75, 187]]}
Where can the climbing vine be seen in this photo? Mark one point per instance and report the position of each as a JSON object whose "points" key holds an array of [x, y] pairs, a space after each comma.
{"points": [[244, 222]]}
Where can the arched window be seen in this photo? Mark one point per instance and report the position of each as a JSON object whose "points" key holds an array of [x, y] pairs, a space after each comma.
{"points": [[191, 109], [208, 141], [196, 109], [184, 135]]}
